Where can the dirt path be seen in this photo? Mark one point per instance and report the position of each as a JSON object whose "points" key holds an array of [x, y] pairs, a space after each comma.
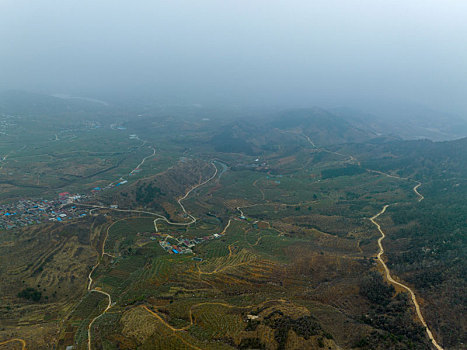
{"points": [[175, 330], [102, 252], [394, 282], [415, 189], [144, 159], [109, 305], [309, 140], [179, 201], [226, 227], [190, 312], [159, 216], [194, 188], [322, 149], [23, 343]]}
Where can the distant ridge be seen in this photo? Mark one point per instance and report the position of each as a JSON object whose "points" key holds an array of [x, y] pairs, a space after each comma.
{"points": [[22, 102], [322, 126]]}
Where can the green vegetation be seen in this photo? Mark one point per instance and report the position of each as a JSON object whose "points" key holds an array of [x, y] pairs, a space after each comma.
{"points": [[373, 288], [282, 254], [346, 171], [147, 194], [30, 294]]}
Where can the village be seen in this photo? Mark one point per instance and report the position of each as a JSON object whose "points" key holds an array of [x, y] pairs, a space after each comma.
{"points": [[66, 207], [29, 212]]}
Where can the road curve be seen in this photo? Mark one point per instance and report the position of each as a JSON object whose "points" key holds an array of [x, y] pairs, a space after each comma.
{"points": [[381, 249], [394, 282], [415, 189], [23, 343], [159, 216], [109, 305]]}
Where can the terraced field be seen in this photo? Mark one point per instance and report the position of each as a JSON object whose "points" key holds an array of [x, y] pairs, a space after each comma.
{"points": [[274, 250]]}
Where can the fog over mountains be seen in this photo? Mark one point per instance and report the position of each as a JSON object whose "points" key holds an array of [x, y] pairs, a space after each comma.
{"points": [[233, 174], [365, 55]]}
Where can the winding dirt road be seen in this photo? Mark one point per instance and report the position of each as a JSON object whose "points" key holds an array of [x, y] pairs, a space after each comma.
{"points": [[415, 189], [159, 216], [109, 305], [226, 227], [193, 219], [23, 343], [381, 249], [394, 282]]}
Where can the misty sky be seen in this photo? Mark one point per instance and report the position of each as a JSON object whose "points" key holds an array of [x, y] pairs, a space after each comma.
{"points": [[256, 52]]}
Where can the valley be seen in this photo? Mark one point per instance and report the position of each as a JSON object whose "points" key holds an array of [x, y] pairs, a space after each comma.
{"points": [[307, 232]]}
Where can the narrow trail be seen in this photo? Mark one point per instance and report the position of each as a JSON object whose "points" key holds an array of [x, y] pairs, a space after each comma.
{"points": [[415, 189], [353, 159], [394, 282], [309, 140], [248, 206], [138, 167], [225, 228], [102, 252], [159, 216], [190, 313], [22, 341], [193, 219], [322, 149], [109, 304], [142, 161], [175, 330]]}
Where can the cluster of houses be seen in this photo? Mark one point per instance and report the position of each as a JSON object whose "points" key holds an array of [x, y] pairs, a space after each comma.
{"points": [[30, 212], [183, 247], [180, 245], [257, 164], [35, 211]]}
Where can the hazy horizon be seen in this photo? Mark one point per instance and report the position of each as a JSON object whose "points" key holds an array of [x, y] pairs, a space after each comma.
{"points": [[326, 53]]}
